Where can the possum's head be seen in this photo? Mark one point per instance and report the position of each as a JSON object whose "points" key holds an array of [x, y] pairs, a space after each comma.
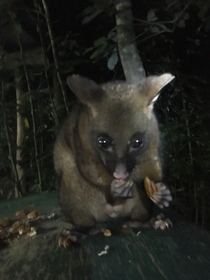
{"points": [[121, 120]]}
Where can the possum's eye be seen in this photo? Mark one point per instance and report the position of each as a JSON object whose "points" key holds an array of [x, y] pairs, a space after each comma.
{"points": [[136, 142], [104, 142]]}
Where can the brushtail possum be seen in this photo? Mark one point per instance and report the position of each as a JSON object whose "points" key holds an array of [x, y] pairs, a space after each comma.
{"points": [[105, 149]]}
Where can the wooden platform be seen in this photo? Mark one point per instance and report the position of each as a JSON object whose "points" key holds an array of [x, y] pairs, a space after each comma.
{"points": [[182, 252]]}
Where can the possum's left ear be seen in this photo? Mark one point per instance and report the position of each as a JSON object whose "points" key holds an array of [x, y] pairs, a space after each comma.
{"points": [[86, 90], [152, 85]]}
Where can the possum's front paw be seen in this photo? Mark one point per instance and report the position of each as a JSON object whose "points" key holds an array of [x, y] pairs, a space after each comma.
{"points": [[122, 188], [157, 192]]}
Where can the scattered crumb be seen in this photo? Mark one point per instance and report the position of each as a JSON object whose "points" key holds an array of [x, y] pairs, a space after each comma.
{"points": [[51, 216], [24, 229], [24, 223], [106, 248], [104, 252], [33, 214], [32, 232], [4, 222], [21, 213]]}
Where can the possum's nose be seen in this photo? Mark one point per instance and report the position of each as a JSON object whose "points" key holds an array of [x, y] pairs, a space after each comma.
{"points": [[121, 172]]}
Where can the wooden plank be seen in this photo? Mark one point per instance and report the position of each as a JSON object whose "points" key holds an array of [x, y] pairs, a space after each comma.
{"points": [[182, 252]]}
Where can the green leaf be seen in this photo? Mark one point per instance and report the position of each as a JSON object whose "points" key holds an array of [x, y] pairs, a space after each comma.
{"points": [[100, 42], [26, 123], [112, 61], [91, 17], [151, 16]]}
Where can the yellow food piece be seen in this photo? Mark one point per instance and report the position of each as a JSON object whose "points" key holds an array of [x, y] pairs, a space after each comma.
{"points": [[107, 233], [150, 187], [33, 214]]}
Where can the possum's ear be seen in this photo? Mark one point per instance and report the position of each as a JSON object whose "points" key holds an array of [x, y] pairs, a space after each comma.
{"points": [[86, 90], [152, 85]]}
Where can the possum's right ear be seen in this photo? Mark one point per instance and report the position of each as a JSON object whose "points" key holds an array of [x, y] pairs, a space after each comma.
{"points": [[153, 84], [86, 90]]}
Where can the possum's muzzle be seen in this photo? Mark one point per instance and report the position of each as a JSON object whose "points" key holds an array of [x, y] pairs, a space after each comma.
{"points": [[121, 186]]}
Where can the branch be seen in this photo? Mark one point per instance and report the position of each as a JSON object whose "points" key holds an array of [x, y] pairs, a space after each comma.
{"points": [[14, 60], [47, 16], [38, 13], [161, 24]]}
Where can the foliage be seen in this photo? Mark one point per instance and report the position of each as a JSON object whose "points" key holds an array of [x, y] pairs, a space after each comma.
{"points": [[171, 37], [181, 37]]}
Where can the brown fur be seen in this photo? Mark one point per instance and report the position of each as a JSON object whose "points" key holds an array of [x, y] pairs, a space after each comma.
{"points": [[120, 110]]}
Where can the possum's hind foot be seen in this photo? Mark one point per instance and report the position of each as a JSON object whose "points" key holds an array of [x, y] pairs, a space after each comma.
{"points": [[161, 222], [158, 222], [69, 237]]}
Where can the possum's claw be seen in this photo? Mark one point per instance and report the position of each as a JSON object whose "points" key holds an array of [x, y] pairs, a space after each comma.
{"points": [[161, 222]]}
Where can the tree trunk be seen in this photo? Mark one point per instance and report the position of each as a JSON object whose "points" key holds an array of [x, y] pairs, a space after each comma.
{"points": [[130, 59], [20, 132], [18, 191]]}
